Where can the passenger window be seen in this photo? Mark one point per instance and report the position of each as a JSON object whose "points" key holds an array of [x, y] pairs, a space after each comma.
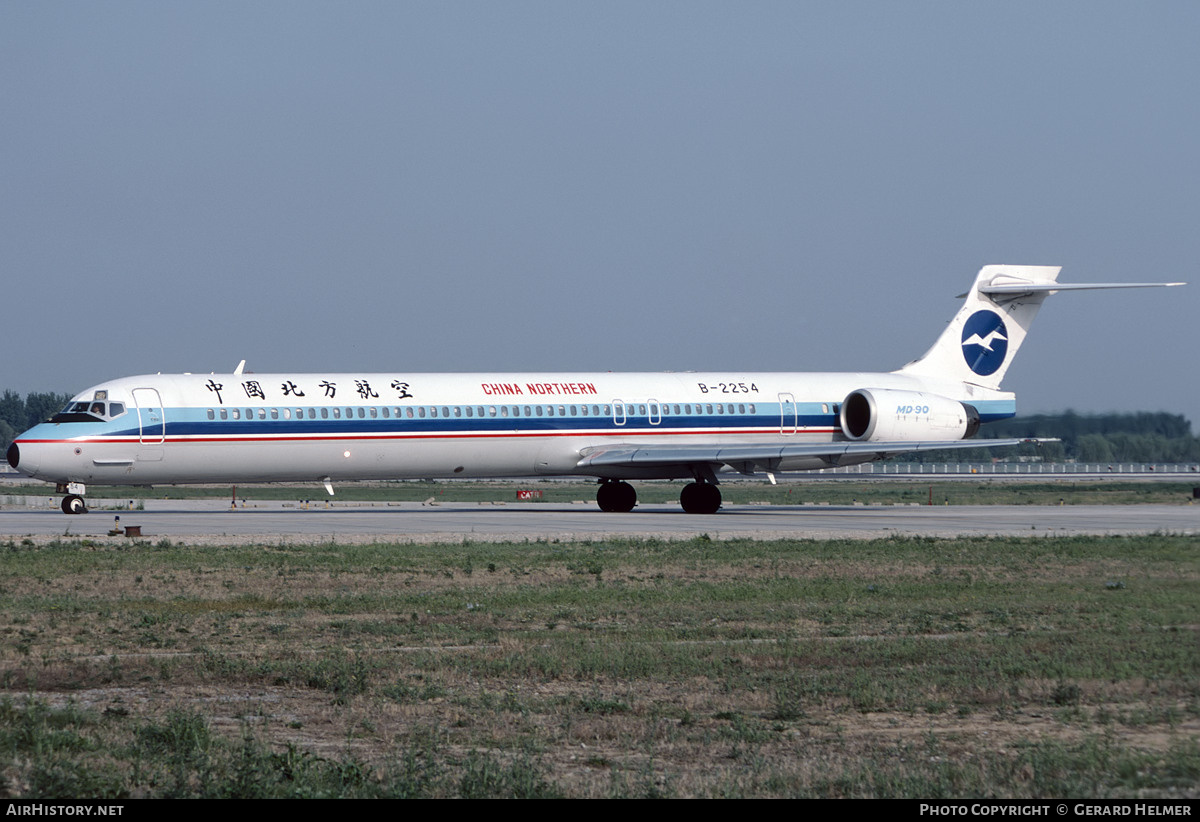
{"points": [[445, 411], [211, 415], [237, 415], [287, 413], [337, 413], [224, 414], [274, 413], [324, 413], [504, 411], [458, 411], [538, 410], [751, 408], [470, 411], [479, 410], [375, 412]]}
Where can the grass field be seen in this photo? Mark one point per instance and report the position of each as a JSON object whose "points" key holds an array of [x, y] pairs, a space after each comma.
{"points": [[1047, 667]]}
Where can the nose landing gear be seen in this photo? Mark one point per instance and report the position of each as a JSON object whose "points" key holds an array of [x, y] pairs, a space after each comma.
{"points": [[73, 501], [73, 504]]}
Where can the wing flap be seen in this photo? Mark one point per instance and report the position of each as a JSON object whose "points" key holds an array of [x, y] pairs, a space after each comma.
{"points": [[768, 457]]}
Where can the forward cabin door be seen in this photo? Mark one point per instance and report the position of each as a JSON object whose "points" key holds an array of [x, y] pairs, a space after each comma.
{"points": [[151, 424]]}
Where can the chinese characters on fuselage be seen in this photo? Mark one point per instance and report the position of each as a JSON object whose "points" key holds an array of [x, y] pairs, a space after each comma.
{"points": [[256, 390]]}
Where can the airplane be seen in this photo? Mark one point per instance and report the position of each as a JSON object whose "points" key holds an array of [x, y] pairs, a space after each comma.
{"points": [[335, 427]]}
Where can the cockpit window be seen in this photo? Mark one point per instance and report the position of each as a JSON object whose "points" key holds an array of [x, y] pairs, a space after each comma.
{"points": [[85, 411], [80, 412]]}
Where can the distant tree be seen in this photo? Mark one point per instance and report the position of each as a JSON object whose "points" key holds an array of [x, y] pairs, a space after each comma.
{"points": [[41, 406], [1094, 448], [12, 408], [17, 415], [1144, 436]]}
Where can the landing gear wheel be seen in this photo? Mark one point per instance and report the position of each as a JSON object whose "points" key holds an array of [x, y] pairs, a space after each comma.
{"points": [[73, 504], [618, 497], [700, 498]]}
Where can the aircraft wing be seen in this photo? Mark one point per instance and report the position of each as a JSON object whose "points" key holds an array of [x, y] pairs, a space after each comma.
{"points": [[750, 457]]}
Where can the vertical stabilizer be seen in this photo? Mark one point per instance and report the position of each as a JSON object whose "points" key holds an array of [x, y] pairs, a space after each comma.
{"points": [[985, 334]]}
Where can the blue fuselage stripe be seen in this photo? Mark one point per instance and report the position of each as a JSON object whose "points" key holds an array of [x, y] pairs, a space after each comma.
{"points": [[185, 423]]}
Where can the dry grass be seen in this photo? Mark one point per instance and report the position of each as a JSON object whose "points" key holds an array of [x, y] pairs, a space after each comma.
{"points": [[902, 667]]}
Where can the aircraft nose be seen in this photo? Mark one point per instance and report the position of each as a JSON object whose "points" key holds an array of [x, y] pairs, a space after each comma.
{"points": [[15, 460]]}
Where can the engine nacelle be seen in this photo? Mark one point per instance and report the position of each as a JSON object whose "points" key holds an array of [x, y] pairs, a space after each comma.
{"points": [[888, 415]]}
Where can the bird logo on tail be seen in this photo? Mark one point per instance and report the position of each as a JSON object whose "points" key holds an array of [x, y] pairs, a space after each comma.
{"points": [[984, 342]]}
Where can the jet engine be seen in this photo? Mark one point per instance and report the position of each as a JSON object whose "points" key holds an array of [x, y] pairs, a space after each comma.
{"points": [[888, 415]]}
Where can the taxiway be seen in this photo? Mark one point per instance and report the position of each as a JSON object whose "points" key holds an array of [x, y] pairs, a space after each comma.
{"points": [[209, 521]]}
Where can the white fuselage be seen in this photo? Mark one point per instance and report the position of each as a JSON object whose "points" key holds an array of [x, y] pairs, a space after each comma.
{"points": [[234, 428]]}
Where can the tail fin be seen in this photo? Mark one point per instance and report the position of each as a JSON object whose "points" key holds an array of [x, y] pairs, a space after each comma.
{"points": [[982, 339]]}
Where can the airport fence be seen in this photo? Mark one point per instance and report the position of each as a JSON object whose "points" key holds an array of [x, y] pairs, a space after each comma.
{"points": [[1126, 469]]}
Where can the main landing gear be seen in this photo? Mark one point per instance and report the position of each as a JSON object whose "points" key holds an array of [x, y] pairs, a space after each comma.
{"points": [[616, 496], [697, 497], [700, 498]]}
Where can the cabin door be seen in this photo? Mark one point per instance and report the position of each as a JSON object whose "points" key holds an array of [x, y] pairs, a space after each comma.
{"points": [[151, 424], [787, 414]]}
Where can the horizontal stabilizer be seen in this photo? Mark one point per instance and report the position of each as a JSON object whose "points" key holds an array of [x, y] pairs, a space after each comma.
{"points": [[1051, 288]]}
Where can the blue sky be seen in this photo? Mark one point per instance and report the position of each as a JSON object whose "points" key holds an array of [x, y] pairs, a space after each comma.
{"points": [[453, 186]]}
